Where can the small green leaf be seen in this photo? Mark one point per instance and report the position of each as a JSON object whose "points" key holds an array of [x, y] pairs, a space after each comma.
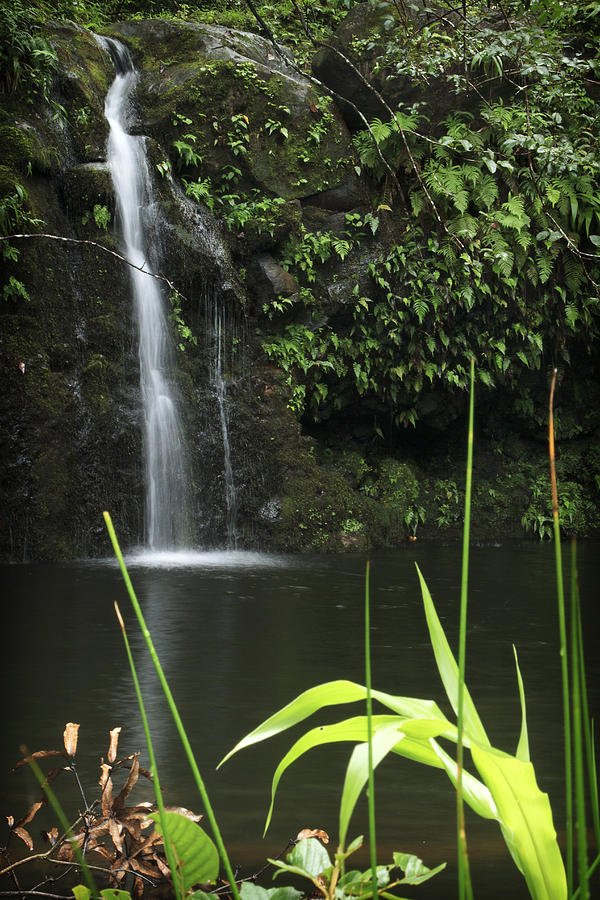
{"points": [[113, 894], [81, 892], [309, 858], [415, 871]]}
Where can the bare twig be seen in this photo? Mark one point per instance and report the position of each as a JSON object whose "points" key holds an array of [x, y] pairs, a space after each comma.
{"points": [[68, 240]]}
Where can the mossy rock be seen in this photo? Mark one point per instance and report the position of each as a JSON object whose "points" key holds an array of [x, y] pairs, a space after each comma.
{"points": [[23, 149]]}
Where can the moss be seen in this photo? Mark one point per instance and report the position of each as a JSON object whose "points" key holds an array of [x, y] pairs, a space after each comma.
{"points": [[21, 147]]}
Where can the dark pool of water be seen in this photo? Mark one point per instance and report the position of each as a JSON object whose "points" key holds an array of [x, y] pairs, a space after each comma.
{"points": [[240, 636]]}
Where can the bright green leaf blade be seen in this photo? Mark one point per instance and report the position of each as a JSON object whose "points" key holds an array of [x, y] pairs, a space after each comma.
{"points": [[357, 772], [330, 694], [415, 746], [526, 820], [198, 857], [448, 669], [354, 729], [474, 792], [523, 745], [415, 870]]}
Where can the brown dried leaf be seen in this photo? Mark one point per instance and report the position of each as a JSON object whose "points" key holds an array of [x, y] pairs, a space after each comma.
{"points": [[24, 835], [138, 887], [70, 738], [115, 831], [10, 820], [39, 754], [65, 852], [313, 832], [129, 784], [134, 828], [182, 811], [160, 862], [31, 812], [144, 867], [154, 838], [103, 851], [51, 836], [53, 774], [114, 742], [119, 868], [107, 786]]}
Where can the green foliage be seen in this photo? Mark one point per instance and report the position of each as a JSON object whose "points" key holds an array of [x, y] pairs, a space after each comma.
{"points": [[14, 215], [310, 860], [101, 215], [28, 62], [499, 258], [578, 514], [184, 332]]}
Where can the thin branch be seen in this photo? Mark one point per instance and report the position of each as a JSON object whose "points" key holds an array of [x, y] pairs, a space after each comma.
{"points": [[68, 240]]}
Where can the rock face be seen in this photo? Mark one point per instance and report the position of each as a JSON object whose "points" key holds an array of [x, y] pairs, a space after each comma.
{"points": [[250, 163], [70, 397]]}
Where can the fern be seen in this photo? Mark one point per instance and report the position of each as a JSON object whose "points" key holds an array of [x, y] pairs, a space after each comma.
{"points": [[545, 265], [420, 308]]}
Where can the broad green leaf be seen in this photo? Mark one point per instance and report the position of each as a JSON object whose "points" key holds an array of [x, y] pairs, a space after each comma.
{"points": [[198, 858], [81, 892], [309, 858], [357, 772], [415, 745], [523, 745], [474, 792], [329, 694], [114, 894], [526, 820], [415, 871], [256, 892], [448, 669]]}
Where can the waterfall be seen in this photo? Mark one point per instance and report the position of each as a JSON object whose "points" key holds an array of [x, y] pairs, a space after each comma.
{"points": [[166, 481], [220, 388]]}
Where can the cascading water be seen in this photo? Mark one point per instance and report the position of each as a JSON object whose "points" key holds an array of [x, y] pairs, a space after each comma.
{"points": [[166, 507], [220, 387]]}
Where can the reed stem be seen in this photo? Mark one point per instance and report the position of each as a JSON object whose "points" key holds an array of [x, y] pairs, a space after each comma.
{"points": [[171, 859], [174, 711], [464, 878], [371, 791], [563, 642]]}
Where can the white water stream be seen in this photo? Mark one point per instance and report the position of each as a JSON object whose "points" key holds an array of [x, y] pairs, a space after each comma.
{"points": [[166, 513]]}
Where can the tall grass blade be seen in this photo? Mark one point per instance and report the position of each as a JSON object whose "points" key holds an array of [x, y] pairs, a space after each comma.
{"points": [[578, 751], [169, 851], [64, 822], [563, 640], [369, 703], [174, 711], [464, 878]]}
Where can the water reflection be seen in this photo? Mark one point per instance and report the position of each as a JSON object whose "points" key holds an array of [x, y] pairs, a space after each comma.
{"points": [[240, 634]]}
